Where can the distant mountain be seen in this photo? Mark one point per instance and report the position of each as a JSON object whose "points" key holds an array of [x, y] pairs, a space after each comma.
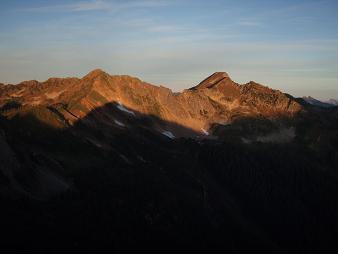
{"points": [[115, 162], [318, 103], [333, 102]]}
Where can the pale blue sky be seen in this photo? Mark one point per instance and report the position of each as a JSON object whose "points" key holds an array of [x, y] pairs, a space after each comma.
{"points": [[291, 45]]}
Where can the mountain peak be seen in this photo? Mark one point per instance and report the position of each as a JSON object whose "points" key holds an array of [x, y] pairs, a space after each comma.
{"points": [[212, 80], [95, 73], [220, 74]]}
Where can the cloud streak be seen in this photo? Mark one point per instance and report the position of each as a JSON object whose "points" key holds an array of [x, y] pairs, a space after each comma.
{"points": [[98, 5], [249, 23]]}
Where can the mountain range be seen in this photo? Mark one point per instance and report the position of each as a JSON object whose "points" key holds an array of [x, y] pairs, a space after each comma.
{"points": [[114, 161], [318, 103], [216, 100]]}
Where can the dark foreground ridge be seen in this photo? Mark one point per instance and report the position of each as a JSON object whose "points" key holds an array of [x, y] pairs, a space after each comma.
{"points": [[106, 162]]}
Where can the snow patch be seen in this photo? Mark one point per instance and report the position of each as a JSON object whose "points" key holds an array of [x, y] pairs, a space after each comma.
{"points": [[281, 136], [141, 158], [50, 183], [168, 134], [122, 108], [246, 141], [119, 123], [285, 135], [53, 95], [205, 132], [125, 159], [225, 123]]}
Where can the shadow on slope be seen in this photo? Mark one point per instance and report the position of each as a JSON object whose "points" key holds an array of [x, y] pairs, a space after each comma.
{"points": [[134, 188]]}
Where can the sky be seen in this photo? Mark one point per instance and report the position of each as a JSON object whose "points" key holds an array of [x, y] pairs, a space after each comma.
{"points": [[290, 45]]}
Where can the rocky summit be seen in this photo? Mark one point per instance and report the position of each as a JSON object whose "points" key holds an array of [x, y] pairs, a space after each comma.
{"points": [[110, 161]]}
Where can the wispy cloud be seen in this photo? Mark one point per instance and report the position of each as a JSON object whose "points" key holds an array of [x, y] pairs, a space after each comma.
{"points": [[90, 6], [249, 23], [98, 5]]}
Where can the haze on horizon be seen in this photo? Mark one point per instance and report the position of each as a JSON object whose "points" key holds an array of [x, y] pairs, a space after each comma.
{"points": [[291, 45]]}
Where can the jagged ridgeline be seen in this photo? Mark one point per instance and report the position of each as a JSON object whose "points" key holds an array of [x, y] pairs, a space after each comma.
{"points": [[215, 101], [113, 161]]}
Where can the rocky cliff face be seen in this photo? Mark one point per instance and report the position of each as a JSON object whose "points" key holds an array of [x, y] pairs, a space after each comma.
{"points": [[216, 100]]}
